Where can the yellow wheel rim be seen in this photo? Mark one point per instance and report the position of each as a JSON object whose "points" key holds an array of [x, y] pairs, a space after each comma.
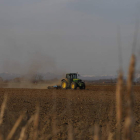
{"points": [[64, 85], [72, 86]]}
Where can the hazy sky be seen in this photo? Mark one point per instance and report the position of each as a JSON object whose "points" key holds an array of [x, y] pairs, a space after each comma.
{"points": [[66, 35]]}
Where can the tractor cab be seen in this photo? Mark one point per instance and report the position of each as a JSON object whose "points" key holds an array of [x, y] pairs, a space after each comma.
{"points": [[71, 76]]}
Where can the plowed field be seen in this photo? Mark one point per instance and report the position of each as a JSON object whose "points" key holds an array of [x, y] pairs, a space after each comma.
{"points": [[81, 108]]}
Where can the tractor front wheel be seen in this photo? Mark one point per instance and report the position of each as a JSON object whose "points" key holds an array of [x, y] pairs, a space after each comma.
{"points": [[64, 85], [73, 85]]}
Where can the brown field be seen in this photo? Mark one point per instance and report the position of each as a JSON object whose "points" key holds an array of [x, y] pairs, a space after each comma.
{"points": [[59, 109]]}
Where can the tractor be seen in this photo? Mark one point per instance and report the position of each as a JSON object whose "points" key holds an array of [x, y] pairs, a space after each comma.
{"points": [[72, 82]]}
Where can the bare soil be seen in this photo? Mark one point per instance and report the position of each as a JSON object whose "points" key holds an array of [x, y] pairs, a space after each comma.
{"points": [[80, 108]]}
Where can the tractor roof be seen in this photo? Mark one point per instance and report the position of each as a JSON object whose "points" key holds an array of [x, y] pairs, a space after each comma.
{"points": [[70, 73]]}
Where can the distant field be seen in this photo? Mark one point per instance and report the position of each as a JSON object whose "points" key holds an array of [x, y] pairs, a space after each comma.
{"points": [[81, 108]]}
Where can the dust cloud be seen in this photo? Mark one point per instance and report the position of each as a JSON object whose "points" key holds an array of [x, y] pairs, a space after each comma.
{"points": [[39, 72], [30, 85]]}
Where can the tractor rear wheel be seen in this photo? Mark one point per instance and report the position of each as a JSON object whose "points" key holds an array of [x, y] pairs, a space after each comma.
{"points": [[64, 85], [73, 85], [83, 87]]}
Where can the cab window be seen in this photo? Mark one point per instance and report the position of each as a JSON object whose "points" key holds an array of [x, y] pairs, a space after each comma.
{"points": [[68, 76], [74, 76]]}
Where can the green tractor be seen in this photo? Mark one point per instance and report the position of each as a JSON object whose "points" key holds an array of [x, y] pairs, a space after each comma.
{"points": [[71, 82]]}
